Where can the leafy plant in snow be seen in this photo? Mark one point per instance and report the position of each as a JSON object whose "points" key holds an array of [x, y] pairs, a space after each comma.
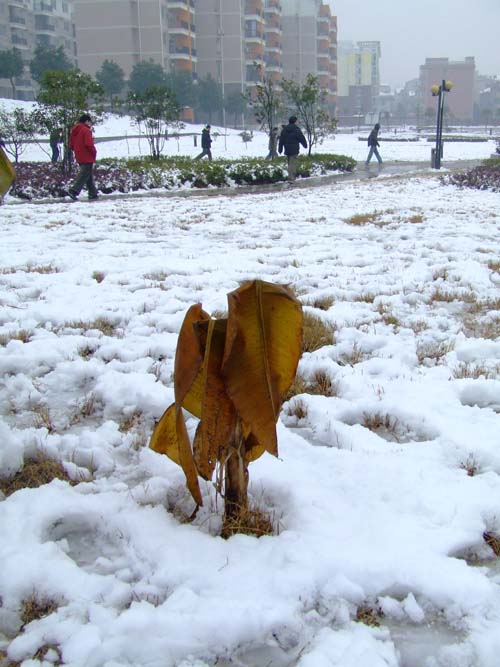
{"points": [[233, 375]]}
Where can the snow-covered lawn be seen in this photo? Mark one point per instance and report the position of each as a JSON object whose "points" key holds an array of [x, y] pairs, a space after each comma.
{"points": [[383, 490]]}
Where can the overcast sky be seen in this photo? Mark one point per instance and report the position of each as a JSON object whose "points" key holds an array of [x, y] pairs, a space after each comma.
{"points": [[412, 30]]}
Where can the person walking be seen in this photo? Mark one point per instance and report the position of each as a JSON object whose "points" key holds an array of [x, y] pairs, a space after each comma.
{"points": [[290, 139], [273, 144], [373, 143], [81, 143], [55, 139], [206, 142]]}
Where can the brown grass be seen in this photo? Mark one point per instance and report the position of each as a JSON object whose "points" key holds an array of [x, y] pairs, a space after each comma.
{"points": [[492, 541], [35, 472], [297, 409], [130, 422], [433, 351], [494, 265], [24, 335], [98, 276], [474, 371], [250, 521], [34, 608], [102, 324], [351, 358], [317, 333], [43, 418], [471, 465], [368, 616], [322, 302]]}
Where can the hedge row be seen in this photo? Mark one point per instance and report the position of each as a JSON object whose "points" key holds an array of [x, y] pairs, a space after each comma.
{"points": [[37, 180], [484, 177]]}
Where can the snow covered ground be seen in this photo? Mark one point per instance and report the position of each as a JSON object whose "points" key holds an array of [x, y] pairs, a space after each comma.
{"points": [[382, 491]]}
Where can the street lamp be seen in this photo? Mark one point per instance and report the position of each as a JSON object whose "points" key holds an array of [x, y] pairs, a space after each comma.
{"points": [[439, 91]]}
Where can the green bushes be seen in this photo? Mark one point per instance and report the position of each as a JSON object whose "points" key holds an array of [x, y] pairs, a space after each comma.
{"points": [[39, 180]]}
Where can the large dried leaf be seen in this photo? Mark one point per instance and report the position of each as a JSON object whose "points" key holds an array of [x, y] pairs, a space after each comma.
{"points": [[186, 457], [188, 356], [218, 417], [7, 173], [164, 438], [263, 346]]}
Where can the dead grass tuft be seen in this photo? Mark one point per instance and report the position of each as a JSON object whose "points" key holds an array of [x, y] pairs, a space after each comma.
{"points": [[40, 268], [130, 422], [34, 608], [368, 616], [471, 465], [322, 302], [466, 370], [494, 265], [351, 358], [24, 335], [299, 386], [433, 351], [43, 418], [35, 472], [250, 521], [384, 425], [492, 541], [317, 333], [322, 384], [297, 409], [98, 276], [102, 324]]}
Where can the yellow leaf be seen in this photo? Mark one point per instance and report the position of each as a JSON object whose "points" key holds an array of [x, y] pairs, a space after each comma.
{"points": [[253, 448], [164, 438], [7, 173], [186, 457], [263, 346], [218, 416], [188, 356]]}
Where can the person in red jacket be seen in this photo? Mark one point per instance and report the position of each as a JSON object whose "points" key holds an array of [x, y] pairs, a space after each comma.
{"points": [[81, 143]]}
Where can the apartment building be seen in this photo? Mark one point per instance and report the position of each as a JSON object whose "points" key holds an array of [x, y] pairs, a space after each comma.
{"points": [[273, 38], [310, 44], [358, 79], [460, 101], [128, 31], [24, 24]]}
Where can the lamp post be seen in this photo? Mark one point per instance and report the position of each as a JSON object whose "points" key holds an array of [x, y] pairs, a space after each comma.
{"points": [[439, 91]]}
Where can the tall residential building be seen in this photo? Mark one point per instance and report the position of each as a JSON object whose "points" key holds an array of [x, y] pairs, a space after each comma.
{"points": [[273, 35], [231, 42], [24, 24], [358, 78], [310, 43], [128, 31], [460, 101]]}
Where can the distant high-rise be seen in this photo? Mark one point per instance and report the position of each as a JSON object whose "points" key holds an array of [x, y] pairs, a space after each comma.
{"points": [[310, 43], [25, 24], [358, 78]]}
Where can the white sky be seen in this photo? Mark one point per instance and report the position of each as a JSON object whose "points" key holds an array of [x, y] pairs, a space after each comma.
{"points": [[409, 32]]}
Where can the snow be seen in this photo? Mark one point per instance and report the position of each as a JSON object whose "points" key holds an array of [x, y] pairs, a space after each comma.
{"points": [[385, 519]]}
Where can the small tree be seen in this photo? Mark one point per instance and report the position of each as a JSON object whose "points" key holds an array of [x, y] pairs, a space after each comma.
{"points": [[11, 66], [16, 127], [266, 103], [154, 110], [182, 86], [48, 59], [63, 98], [146, 74], [308, 101], [112, 79], [236, 104], [233, 374], [209, 96]]}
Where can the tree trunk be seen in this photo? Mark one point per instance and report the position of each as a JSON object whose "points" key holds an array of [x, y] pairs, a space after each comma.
{"points": [[236, 483]]}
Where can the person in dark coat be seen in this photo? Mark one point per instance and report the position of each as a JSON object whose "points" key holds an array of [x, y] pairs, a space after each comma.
{"points": [[81, 143], [373, 144], [290, 139], [206, 142], [55, 139]]}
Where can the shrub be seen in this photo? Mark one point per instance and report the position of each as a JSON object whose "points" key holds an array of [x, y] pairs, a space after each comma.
{"points": [[37, 180]]}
